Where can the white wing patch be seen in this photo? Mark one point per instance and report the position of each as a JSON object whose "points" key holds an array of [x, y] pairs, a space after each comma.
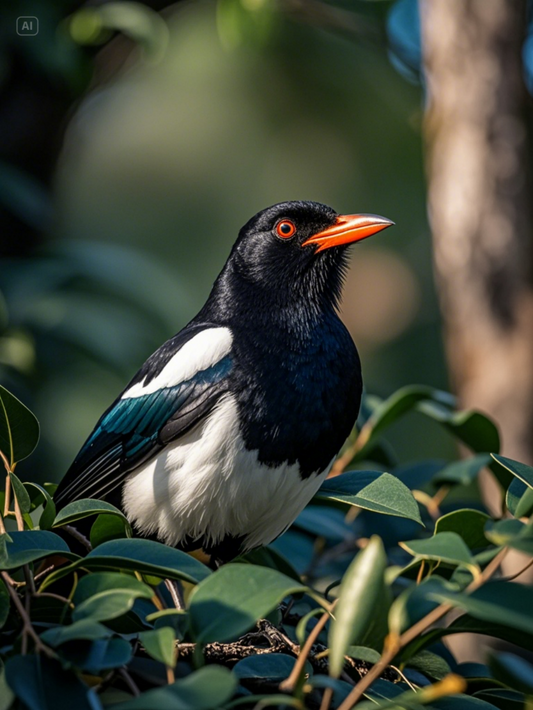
{"points": [[208, 484], [198, 353]]}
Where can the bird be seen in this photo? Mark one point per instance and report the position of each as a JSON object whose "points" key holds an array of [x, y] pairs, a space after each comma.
{"points": [[228, 430]]}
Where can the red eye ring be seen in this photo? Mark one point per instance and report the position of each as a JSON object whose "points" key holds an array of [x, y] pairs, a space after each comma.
{"points": [[285, 229]]}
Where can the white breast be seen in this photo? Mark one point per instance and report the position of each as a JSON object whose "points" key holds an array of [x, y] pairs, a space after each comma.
{"points": [[208, 484]]}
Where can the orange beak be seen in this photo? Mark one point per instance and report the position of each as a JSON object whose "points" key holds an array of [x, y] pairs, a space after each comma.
{"points": [[348, 229]]}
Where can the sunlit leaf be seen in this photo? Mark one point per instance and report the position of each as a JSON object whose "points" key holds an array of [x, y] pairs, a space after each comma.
{"points": [[160, 644]]}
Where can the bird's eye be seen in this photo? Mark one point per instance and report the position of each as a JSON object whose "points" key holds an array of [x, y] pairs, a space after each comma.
{"points": [[285, 229]]}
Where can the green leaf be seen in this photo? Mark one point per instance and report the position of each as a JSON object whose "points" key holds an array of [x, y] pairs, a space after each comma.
{"points": [[108, 527], [430, 664], [363, 653], [106, 605], [502, 698], [391, 409], [19, 428], [144, 556], [160, 644], [84, 508], [21, 493], [520, 470], [100, 655], [273, 667], [269, 557], [98, 582], [207, 689], [468, 524], [462, 472], [512, 533], [499, 602], [231, 600], [5, 603], [358, 598], [31, 545], [6, 695], [49, 511], [85, 629], [447, 547], [474, 429], [379, 492], [42, 684], [415, 602], [514, 671], [519, 498]]}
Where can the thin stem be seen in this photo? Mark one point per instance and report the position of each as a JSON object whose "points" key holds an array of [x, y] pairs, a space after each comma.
{"points": [[129, 681], [7, 502], [27, 628], [2, 526], [289, 683], [76, 534], [393, 644], [517, 574], [18, 514]]}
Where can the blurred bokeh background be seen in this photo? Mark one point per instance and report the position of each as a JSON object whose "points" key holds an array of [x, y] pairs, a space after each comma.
{"points": [[137, 138]]}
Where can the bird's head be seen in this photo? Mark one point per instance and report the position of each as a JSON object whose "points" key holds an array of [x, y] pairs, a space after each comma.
{"points": [[297, 250]]}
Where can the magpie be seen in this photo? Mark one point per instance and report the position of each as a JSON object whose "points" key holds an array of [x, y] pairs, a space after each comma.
{"points": [[229, 428]]}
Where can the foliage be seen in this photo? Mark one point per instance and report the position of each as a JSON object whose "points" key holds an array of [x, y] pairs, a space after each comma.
{"points": [[342, 609]]}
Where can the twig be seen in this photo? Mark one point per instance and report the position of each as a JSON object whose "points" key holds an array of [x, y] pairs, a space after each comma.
{"points": [[2, 526], [27, 628], [289, 683], [517, 574], [7, 502], [129, 681], [18, 514], [175, 593], [76, 534], [393, 644]]}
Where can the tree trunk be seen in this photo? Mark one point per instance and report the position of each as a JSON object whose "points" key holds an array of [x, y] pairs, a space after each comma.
{"points": [[478, 172]]}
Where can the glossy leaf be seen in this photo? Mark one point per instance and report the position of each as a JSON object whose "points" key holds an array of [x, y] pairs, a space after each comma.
{"points": [[21, 493], [358, 598], [462, 472], [206, 689], [231, 600], [518, 469], [108, 527], [468, 524], [499, 602], [85, 629], [98, 582], [84, 508], [49, 510], [474, 429], [274, 667], [519, 498], [379, 492], [31, 545], [109, 603], [511, 532], [19, 428], [160, 644], [446, 547]]}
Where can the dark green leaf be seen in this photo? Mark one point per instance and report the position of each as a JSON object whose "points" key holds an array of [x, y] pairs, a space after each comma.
{"points": [[445, 547], [502, 698], [97, 656], [363, 653], [461, 702], [474, 429], [274, 667], [462, 472], [42, 684], [514, 671], [499, 602], [108, 527], [520, 470], [207, 689], [6, 694], [21, 493], [49, 512], [160, 644], [430, 664], [512, 533], [109, 604], [269, 557], [231, 600], [30, 545], [98, 582], [519, 499], [359, 595], [85, 629], [84, 508], [379, 492], [468, 524], [19, 428]]}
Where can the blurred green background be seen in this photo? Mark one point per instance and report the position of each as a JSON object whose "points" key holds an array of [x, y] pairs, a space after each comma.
{"points": [[133, 157]]}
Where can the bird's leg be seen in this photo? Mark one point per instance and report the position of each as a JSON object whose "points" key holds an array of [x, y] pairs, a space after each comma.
{"points": [[176, 592]]}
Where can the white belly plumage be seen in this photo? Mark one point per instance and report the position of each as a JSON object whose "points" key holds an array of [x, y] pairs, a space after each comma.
{"points": [[208, 485]]}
